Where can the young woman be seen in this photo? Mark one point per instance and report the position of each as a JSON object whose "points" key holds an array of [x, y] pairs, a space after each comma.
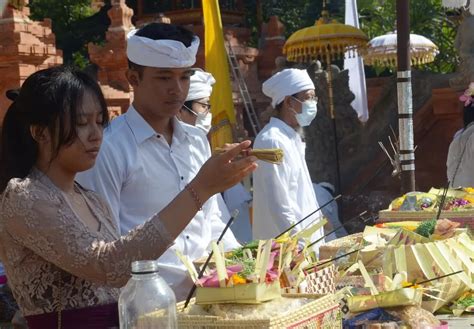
{"points": [[59, 244]]}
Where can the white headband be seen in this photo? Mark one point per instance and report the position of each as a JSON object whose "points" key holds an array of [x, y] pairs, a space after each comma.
{"points": [[286, 83], [160, 53], [201, 85]]}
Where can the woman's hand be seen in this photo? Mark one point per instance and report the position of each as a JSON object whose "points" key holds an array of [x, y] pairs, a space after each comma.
{"points": [[221, 171]]}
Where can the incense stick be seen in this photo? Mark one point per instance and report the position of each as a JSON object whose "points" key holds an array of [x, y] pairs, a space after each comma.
{"points": [[305, 218], [333, 259], [338, 228], [437, 278], [235, 213], [443, 200]]}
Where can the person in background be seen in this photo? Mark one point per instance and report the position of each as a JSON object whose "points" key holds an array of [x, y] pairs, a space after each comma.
{"points": [[61, 247], [196, 111], [149, 156], [460, 162], [324, 192], [283, 193]]}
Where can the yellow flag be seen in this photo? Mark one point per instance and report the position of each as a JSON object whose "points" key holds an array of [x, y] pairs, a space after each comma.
{"points": [[223, 115]]}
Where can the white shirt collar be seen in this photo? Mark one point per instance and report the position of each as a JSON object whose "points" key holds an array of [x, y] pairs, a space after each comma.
{"points": [[142, 129], [283, 125]]}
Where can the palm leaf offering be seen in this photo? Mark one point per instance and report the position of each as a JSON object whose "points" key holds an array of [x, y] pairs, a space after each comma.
{"points": [[426, 228], [268, 155]]}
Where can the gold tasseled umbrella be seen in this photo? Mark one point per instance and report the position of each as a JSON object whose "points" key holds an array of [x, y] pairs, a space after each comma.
{"points": [[327, 40], [382, 50]]}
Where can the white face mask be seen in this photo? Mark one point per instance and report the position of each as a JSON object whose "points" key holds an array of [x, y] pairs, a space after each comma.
{"points": [[309, 110], [204, 122]]}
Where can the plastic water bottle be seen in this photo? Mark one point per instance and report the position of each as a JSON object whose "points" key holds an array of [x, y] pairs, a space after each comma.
{"points": [[147, 301]]}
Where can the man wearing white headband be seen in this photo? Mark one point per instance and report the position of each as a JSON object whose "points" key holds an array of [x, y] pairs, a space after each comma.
{"points": [[283, 194], [197, 110], [148, 156]]}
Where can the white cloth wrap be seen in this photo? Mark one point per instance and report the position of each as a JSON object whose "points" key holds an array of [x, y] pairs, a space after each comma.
{"points": [[201, 85], [286, 83], [160, 53]]}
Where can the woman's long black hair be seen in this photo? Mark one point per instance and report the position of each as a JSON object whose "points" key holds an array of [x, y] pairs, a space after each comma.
{"points": [[50, 99]]}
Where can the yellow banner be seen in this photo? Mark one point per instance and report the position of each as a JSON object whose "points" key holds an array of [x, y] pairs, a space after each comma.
{"points": [[216, 63]]}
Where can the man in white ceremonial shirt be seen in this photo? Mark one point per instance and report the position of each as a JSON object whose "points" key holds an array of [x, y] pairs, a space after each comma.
{"points": [[283, 193], [196, 111], [148, 156]]}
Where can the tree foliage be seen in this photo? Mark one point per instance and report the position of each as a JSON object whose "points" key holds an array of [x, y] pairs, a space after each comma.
{"points": [[74, 23], [377, 17]]}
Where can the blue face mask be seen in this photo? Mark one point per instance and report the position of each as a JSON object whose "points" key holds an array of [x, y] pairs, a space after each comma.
{"points": [[309, 110]]}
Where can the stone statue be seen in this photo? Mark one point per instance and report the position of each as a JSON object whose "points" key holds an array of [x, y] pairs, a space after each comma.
{"points": [[464, 44]]}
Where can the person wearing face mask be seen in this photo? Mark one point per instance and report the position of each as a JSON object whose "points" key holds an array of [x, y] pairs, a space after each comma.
{"points": [[284, 194], [196, 110]]}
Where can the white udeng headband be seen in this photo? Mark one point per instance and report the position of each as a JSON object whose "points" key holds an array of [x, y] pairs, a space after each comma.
{"points": [[160, 53]]}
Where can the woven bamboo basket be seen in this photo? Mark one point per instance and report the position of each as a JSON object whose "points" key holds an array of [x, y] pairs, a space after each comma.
{"points": [[322, 312], [341, 245], [466, 218], [321, 282], [357, 281]]}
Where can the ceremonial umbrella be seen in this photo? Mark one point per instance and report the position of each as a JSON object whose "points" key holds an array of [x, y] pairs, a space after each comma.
{"points": [[326, 40], [382, 50]]}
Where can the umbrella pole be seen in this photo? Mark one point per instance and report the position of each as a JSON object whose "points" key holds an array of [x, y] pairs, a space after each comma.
{"points": [[404, 93], [332, 114]]}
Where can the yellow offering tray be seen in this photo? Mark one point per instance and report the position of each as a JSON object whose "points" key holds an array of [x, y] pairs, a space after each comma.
{"points": [[399, 297], [250, 293]]}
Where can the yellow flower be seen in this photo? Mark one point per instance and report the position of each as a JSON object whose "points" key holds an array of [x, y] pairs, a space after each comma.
{"points": [[469, 190], [237, 279], [469, 198]]}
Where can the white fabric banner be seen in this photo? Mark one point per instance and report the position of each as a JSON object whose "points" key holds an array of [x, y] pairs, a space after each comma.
{"points": [[356, 68]]}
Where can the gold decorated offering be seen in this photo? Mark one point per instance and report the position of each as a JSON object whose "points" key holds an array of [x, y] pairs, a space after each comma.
{"points": [[458, 206], [239, 276], [440, 269], [268, 155], [399, 297], [259, 270], [250, 293]]}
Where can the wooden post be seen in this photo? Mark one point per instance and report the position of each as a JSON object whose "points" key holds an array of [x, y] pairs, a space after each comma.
{"points": [[404, 96]]}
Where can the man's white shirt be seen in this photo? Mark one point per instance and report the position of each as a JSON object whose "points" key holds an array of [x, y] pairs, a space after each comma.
{"points": [[283, 193], [139, 174]]}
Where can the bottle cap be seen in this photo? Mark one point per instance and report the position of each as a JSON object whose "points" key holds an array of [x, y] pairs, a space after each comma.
{"points": [[144, 267]]}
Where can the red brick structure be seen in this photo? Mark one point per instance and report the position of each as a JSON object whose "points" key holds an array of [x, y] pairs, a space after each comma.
{"points": [[25, 47], [111, 58]]}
